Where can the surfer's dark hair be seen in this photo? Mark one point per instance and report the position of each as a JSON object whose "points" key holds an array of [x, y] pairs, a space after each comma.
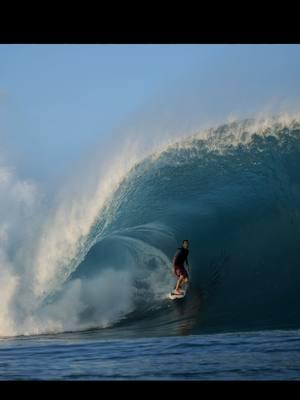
{"points": [[185, 240]]}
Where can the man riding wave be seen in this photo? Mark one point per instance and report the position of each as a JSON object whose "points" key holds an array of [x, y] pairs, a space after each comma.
{"points": [[179, 269]]}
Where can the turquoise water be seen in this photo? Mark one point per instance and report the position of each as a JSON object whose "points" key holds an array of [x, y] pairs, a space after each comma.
{"points": [[235, 195]]}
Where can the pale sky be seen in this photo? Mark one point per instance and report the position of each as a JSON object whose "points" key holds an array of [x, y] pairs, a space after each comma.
{"points": [[57, 101]]}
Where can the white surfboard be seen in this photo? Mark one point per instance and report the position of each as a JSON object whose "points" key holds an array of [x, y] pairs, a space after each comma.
{"points": [[176, 296]]}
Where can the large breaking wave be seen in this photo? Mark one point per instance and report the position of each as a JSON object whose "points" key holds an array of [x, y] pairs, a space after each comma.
{"points": [[102, 259]]}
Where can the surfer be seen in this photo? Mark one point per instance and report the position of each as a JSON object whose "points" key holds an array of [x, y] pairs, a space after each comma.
{"points": [[178, 269]]}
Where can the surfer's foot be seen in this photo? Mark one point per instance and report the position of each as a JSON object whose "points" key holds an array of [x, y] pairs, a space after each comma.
{"points": [[177, 291]]}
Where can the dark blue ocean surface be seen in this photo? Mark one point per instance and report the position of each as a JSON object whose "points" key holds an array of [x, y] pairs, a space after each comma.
{"points": [[269, 355]]}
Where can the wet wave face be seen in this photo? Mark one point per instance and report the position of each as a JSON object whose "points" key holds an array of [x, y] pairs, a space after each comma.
{"points": [[234, 192]]}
